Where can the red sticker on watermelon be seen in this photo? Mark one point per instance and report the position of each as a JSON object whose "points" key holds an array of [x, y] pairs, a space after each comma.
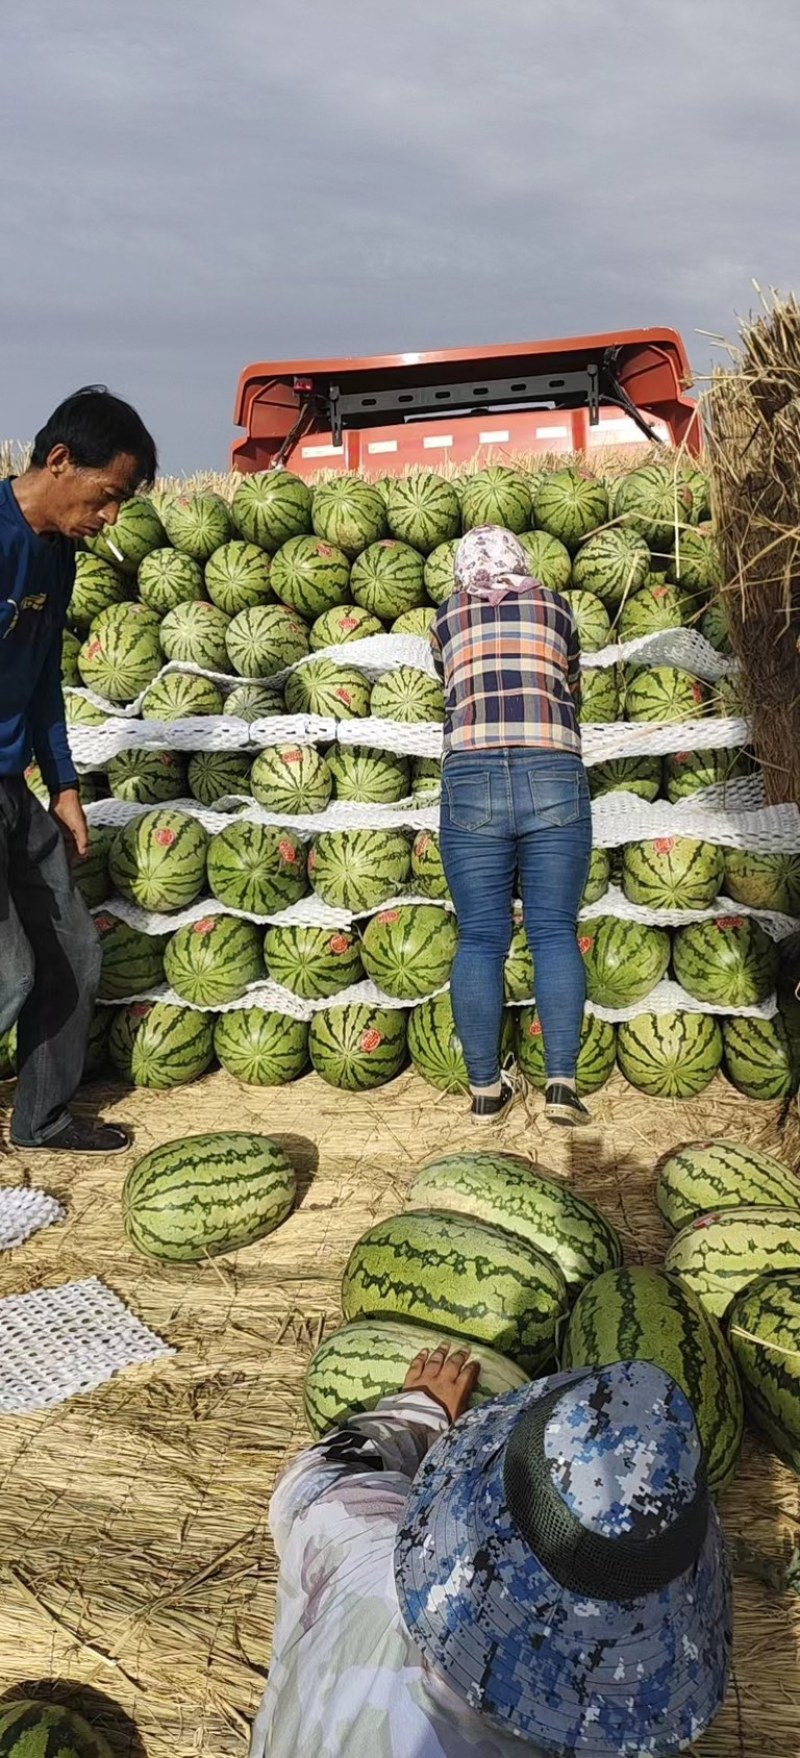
{"points": [[697, 692], [423, 843], [288, 852], [205, 925], [165, 838], [585, 944], [293, 756], [93, 649], [348, 622], [343, 696], [682, 756], [534, 1029], [705, 1221], [371, 1040], [312, 859], [388, 916], [139, 1009], [339, 943], [724, 923], [664, 845], [324, 549], [104, 924], [661, 592], [166, 759]]}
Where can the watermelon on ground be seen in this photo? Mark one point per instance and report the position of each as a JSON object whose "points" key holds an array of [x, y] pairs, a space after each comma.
{"points": [[181, 696], [570, 504], [727, 962], [212, 961], [8, 1054], [260, 1047], [32, 1728], [313, 963], [672, 873], [271, 506], [310, 576], [422, 509], [147, 778], [356, 1047], [703, 1176], [158, 860], [435, 1047], [322, 686], [612, 564], [497, 495], [408, 950], [166, 578], [197, 524], [237, 576], [291, 779], [155, 1044], [136, 531], [257, 868], [265, 640], [195, 634], [596, 1056], [368, 1360], [348, 513], [670, 1055], [759, 1058], [764, 1334], [624, 960], [193, 1199]]}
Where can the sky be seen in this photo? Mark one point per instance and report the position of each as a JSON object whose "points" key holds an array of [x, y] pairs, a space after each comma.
{"points": [[189, 185]]}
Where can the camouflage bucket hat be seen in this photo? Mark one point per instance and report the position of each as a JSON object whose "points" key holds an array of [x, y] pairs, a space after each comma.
{"points": [[560, 1565]]}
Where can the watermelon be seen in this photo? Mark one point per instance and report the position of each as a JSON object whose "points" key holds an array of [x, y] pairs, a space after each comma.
{"points": [[641, 1314], [388, 579], [598, 878], [727, 962], [423, 510], [408, 696], [237, 576], [265, 640], [497, 495], [650, 609], [549, 561], [723, 1252], [127, 615], [257, 868], [518, 965], [672, 873], [136, 531], [158, 860], [718, 1174], [97, 585], [596, 1056], [426, 776], [197, 524], [337, 692], [347, 622], [82, 713], [313, 962], [121, 661], [91, 876], [356, 1047], [670, 1055], [132, 961], [207, 1194], [624, 960], [147, 777], [415, 622], [510, 1193], [611, 564], [259, 1047], [696, 563], [181, 696], [427, 872], [759, 1058], [701, 492], [251, 702], [654, 502], [633, 775], [292, 779], [715, 628], [599, 696], [8, 1054], [688, 772], [270, 507], [216, 775], [167, 578], [310, 576], [663, 693], [154, 1044], [368, 776], [763, 881], [435, 1047], [70, 650], [570, 504], [476, 1281], [439, 571], [348, 513], [359, 869], [212, 961], [591, 620], [35, 1729], [764, 1335], [369, 1359], [408, 951]]}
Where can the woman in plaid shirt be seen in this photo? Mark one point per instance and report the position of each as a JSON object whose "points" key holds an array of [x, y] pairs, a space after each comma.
{"points": [[515, 809]]}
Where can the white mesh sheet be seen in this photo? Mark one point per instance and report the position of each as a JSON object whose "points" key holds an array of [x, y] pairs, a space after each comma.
{"points": [[56, 1342], [23, 1212]]}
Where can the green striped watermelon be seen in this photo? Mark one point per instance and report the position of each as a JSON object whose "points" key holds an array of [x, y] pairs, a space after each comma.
{"points": [[612, 564], [91, 876], [508, 1192], [80, 712], [166, 578], [439, 571], [763, 881], [408, 951], [723, 1252], [136, 531], [158, 860], [337, 692], [672, 873], [599, 696], [596, 1056], [687, 772], [356, 1047], [237, 576], [147, 777], [120, 660], [154, 1044], [624, 960], [213, 775], [570, 504], [670, 1055], [497, 495], [550, 561], [727, 962], [704, 1176], [655, 502], [369, 1359], [255, 702], [598, 878], [701, 492], [759, 1058], [310, 576], [35, 1729], [388, 579], [435, 1047], [369, 776], [97, 585], [715, 628], [764, 1335], [422, 509], [633, 775], [271, 506], [265, 640], [426, 777], [641, 1314], [195, 634], [212, 961], [696, 564], [259, 1047], [8, 1054], [476, 1281], [415, 622], [197, 524], [359, 869], [70, 650], [291, 778], [132, 961], [257, 867], [349, 513], [427, 872], [652, 608], [313, 962], [408, 696], [591, 620], [182, 696], [518, 965], [346, 622], [663, 693], [192, 1199]]}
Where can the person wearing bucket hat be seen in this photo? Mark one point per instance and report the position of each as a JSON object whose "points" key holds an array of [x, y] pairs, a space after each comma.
{"points": [[545, 1576]]}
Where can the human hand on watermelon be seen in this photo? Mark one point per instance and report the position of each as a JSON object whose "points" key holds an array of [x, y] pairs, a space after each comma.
{"points": [[69, 815], [448, 1376]]}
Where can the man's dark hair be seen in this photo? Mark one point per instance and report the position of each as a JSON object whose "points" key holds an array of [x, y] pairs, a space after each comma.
{"points": [[95, 427]]}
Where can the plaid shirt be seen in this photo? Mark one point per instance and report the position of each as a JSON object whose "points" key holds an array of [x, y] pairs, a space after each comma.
{"points": [[511, 672]]}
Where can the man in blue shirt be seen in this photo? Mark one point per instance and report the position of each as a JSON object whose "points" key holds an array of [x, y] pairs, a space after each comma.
{"points": [[88, 458]]}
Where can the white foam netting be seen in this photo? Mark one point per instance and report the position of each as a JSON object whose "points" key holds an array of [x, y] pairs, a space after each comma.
{"points": [[23, 1212], [55, 1342]]}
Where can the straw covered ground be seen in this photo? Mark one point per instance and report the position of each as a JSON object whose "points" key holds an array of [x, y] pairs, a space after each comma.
{"points": [[135, 1561]]}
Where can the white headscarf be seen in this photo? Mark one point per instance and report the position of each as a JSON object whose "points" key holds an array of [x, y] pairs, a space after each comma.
{"points": [[490, 563]]}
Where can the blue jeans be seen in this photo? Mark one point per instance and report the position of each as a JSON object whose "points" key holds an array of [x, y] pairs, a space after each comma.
{"points": [[508, 812]]}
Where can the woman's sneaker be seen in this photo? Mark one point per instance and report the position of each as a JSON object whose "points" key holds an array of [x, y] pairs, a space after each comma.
{"points": [[486, 1110], [562, 1105]]}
